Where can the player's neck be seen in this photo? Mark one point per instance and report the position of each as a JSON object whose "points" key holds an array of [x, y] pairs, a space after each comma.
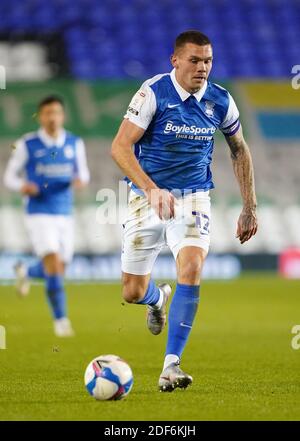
{"points": [[53, 133]]}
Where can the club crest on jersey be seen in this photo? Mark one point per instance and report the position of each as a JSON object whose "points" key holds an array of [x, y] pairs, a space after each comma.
{"points": [[209, 108], [68, 152]]}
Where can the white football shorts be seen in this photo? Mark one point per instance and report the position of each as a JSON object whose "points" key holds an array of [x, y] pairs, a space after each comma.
{"points": [[51, 234], [145, 234]]}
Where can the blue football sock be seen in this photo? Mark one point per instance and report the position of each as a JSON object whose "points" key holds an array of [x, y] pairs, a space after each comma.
{"points": [[181, 316], [56, 295], [36, 271], [152, 295]]}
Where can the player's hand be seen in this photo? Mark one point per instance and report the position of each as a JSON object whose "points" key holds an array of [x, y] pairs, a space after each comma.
{"points": [[162, 201], [247, 224], [78, 184], [30, 189]]}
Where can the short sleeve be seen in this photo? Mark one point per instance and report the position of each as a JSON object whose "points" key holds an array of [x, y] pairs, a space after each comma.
{"points": [[81, 162], [17, 161], [142, 107], [231, 122]]}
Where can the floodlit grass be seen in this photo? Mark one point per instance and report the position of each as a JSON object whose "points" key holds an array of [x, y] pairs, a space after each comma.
{"points": [[239, 354]]}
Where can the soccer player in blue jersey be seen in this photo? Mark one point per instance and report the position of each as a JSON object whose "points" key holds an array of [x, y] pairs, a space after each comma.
{"points": [[171, 122], [45, 167]]}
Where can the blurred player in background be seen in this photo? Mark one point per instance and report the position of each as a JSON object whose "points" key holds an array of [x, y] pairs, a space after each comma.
{"points": [[45, 167], [171, 121]]}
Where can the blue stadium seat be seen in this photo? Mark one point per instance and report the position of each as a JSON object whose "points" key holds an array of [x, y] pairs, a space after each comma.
{"points": [[135, 38]]}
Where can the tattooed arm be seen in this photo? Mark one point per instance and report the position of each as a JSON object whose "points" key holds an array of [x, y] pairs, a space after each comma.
{"points": [[243, 170]]}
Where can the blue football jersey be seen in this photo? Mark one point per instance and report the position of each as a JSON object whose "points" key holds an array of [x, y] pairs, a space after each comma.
{"points": [[52, 169], [177, 146]]}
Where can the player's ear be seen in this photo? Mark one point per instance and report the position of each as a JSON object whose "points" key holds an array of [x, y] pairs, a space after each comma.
{"points": [[173, 59]]}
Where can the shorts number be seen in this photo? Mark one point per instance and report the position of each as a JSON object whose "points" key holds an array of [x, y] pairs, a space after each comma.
{"points": [[202, 222]]}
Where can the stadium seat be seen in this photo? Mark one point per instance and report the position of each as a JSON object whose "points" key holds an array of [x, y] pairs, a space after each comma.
{"points": [[104, 26]]}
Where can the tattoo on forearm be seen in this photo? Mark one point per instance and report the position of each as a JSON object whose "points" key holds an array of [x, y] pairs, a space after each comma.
{"points": [[243, 169]]}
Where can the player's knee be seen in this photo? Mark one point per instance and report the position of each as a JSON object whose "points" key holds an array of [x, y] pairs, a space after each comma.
{"points": [[190, 271], [132, 292], [52, 264]]}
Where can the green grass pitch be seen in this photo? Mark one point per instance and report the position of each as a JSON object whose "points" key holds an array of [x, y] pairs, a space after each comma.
{"points": [[239, 354]]}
